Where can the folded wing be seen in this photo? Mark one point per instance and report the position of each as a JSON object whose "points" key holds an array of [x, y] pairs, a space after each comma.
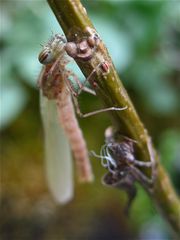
{"points": [[59, 167]]}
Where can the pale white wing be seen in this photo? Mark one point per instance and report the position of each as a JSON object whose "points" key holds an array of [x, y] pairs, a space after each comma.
{"points": [[57, 153]]}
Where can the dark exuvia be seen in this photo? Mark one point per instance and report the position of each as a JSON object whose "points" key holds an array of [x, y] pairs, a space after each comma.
{"points": [[118, 156]]}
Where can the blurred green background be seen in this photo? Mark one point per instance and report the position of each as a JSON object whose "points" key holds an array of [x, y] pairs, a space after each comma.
{"points": [[143, 38]]}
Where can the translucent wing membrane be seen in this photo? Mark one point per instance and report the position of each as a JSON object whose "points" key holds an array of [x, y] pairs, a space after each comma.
{"points": [[57, 153]]}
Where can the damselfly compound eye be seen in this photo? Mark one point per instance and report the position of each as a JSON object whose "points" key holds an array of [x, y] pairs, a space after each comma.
{"points": [[46, 56]]}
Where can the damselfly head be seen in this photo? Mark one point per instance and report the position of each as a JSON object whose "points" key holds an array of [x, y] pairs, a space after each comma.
{"points": [[52, 49]]}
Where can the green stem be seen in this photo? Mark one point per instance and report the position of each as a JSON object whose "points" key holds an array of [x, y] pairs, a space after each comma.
{"points": [[73, 19]]}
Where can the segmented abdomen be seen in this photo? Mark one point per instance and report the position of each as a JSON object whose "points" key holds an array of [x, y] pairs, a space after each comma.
{"points": [[69, 122]]}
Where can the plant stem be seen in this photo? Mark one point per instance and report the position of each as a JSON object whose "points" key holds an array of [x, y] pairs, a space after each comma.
{"points": [[73, 19]]}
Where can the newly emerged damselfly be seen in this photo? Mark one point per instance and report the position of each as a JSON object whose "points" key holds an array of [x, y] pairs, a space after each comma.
{"points": [[57, 86], [60, 124]]}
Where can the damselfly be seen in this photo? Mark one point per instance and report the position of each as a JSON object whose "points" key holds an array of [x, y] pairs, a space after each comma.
{"points": [[57, 110]]}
